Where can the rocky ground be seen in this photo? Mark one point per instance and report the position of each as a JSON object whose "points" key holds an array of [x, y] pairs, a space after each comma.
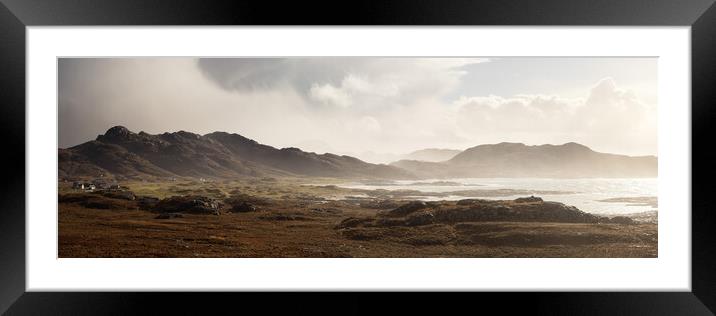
{"points": [[244, 223]]}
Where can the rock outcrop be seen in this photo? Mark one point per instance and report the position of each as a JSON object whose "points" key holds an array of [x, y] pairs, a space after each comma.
{"points": [[528, 209], [188, 204]]}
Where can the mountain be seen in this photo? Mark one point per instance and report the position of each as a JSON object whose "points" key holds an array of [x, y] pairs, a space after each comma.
{"points": [[570, 160], [432, 154], [120, 152], [429, 154]]}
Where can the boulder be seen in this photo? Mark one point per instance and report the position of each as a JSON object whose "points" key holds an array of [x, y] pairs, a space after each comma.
{"points": [[424, 217], [118, 194], [407, 208], [465, 202], [188, 204], [529, 199], [243, 207], [238, 198], [420, 213], [147, 202], [530, 212], [622, 220]]}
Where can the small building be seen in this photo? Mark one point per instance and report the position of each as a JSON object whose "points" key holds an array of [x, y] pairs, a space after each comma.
{"points": [[85, 186]]}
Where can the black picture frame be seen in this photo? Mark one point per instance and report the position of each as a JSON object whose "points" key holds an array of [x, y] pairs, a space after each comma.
{"points": [[16, 15]]}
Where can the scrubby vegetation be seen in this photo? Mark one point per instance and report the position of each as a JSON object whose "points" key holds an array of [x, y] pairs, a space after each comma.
{"points": [[270, 217]]}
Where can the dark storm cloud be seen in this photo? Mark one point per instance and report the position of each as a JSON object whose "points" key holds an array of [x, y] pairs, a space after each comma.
{"points": [[356, 104], [245, 74], [79, 121]]}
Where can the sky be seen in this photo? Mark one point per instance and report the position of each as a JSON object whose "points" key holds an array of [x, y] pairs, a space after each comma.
{"points": [[370, 107]]}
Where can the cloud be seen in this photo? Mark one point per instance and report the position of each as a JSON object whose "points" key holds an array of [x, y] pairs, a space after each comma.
{"points": [[609, 118], [246, 74], [518, 114], [169, 94], [341, 81], [357, 105], [328, 94]]}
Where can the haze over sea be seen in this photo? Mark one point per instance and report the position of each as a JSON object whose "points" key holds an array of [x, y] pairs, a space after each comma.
{"points": [[586, 194]]}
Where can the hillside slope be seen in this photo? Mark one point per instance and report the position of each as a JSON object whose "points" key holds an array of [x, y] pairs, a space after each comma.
{"points": [[120, 152], [570, 160]]}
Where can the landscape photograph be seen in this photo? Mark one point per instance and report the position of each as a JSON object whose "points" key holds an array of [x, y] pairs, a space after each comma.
{"points": [[357, 157]]}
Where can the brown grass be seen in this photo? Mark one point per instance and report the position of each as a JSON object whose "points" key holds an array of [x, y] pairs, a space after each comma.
{"points": [[308, 231]]}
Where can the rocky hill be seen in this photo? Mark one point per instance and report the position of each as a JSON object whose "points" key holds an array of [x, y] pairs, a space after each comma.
{"points": [[432, 154], [570, 160], [120, 152]]}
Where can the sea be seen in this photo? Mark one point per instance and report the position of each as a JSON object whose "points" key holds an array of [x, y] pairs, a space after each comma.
{"points": [[586, 194]]}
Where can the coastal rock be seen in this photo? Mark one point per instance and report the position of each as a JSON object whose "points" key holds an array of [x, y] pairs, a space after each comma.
{"points": [[532, 209], [471, 201], [529, 199]]}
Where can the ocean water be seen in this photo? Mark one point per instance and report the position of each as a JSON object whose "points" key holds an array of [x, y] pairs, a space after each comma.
{"points": [[585, 194]]}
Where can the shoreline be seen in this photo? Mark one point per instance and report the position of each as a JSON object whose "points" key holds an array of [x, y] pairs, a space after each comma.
{"points": [[281, 218]]}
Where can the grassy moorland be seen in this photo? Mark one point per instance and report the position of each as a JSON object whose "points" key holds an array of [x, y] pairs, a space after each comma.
{"points": [[269, 217]]}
